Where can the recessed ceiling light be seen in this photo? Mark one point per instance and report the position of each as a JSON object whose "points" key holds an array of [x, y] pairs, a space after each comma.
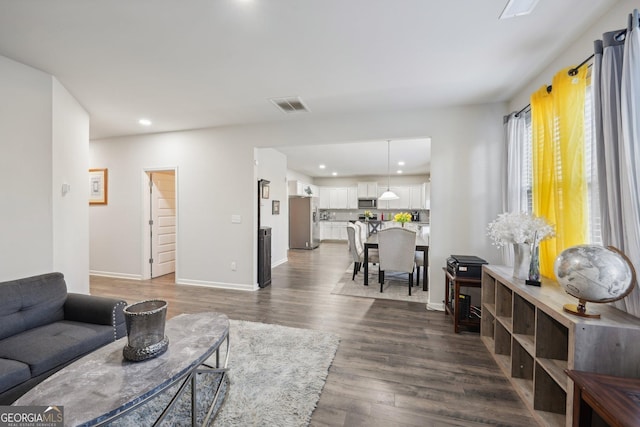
{"points": [[399, 171], [334, 173], [322, 166], [145, 122], [518, 8], [400, 163]]}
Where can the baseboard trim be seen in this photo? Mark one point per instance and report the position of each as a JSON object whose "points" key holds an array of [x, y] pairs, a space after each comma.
{"points": [[280, 262], [218, 285], [435, 306], [115, 275]]}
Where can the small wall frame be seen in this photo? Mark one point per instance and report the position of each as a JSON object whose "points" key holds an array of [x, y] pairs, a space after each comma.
{"points": [[265, 191], [98, 186]]}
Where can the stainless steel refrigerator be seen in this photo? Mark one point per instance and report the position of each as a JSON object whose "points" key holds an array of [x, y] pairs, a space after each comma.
{"points": [[304, 230]]}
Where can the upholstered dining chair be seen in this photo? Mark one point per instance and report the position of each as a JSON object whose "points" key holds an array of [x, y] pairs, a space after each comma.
{"points": [[419, 259], [364, 235], [396, 249], [356, 249]]}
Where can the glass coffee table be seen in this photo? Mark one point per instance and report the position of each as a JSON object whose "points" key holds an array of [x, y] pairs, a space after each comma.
{"points": [[103, 386]]}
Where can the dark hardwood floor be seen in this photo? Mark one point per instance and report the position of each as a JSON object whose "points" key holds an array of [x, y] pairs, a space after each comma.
{"points": [[397, 364]]}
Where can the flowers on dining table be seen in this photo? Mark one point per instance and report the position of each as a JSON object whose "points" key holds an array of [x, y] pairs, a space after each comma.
{"points": [[368, 214], [402, 217], [513, 227]]}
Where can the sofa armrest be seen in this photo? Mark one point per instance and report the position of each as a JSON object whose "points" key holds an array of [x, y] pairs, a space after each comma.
{"points": [[98, 310]]}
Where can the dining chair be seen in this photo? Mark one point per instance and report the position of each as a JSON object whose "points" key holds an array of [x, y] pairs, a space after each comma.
{"points": [[396, 250], [419, 260], [364, 230], [364, 235], [356, 248]]}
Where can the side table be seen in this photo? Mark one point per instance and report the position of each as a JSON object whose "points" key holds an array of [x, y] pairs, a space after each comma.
{"points": [[452, 296], [615, 400]]}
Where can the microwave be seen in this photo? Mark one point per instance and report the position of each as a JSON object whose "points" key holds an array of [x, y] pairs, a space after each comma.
{"points": [[367, 203]]}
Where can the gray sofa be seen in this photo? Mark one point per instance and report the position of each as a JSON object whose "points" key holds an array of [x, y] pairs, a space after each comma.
{"points": [[43, 328]]}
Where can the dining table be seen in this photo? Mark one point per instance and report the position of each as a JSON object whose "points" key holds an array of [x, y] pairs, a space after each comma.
{"points": [[422, 244]]}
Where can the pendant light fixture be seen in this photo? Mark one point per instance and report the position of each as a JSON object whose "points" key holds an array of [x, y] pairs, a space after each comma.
{"points": [[388, 195]]}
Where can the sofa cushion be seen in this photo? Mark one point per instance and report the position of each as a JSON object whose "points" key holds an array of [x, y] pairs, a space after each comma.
{"points": [[12, 373], [48, 346], [31, 302]]}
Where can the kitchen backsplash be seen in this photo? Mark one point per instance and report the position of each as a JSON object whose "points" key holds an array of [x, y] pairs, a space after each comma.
{"points": [[354, 214]]}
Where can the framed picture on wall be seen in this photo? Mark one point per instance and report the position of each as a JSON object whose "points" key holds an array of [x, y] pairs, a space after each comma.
{"points": [[98, 187], [275, 207], [265, 191]]}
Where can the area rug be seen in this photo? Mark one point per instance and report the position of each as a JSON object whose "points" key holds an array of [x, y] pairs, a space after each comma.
{"points": [[395, 286], [276, 375]]}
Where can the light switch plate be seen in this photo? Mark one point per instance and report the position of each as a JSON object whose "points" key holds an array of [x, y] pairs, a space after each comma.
{"points": [[236, 219]]}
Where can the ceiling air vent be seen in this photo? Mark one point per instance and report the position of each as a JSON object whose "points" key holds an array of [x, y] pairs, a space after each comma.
{"points": [[290, 105]]}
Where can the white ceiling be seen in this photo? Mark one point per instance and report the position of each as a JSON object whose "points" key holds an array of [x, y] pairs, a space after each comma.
{"points": [[204, 63], [367, 158]]}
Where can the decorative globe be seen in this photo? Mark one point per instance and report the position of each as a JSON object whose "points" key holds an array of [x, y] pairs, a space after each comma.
{"points": [[594, 273]]}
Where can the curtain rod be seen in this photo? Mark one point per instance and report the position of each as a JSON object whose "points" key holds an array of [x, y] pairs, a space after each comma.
{"points": [[572, 72]]}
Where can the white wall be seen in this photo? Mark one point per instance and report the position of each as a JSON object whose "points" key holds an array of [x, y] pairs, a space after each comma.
{"points": [[44, 136], [272, 166], [215, 182], [218, 178], [71, 210], [298, 176], [26, 245], [581, 49]]}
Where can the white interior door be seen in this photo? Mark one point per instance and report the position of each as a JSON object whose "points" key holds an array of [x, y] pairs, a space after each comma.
{"points": [[163, 222]]}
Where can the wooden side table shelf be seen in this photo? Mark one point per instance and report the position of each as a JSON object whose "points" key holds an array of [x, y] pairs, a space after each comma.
{"points": [[452, 304], [615, 400], [536, 343]]}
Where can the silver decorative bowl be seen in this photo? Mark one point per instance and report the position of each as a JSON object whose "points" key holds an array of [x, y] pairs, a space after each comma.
{"points": [[145, 323]]}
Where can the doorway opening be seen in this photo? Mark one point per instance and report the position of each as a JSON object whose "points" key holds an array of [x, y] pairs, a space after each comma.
{"points": [[160, 223]]}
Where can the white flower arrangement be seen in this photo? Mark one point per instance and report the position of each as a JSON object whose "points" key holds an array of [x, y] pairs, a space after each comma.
{"points": [[512, 227]]}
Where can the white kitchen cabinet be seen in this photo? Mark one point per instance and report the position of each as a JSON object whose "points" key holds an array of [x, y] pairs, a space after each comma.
{"points": [[416, 199], [339, 198], [333, 230], [325, 198], [352, 198], [427, 195], [324, 230], [367, 190]]}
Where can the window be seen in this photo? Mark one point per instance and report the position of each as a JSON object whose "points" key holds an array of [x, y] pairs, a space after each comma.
{"points": [[594, 224]]}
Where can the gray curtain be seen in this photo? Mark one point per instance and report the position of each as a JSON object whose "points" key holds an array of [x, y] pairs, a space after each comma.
{"points": [[607, 75], [514, 199], [630, 151], [616, 87]]}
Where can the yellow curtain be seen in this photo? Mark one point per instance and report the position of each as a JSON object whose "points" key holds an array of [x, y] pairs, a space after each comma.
{"points": [[543, 186], [559, 180]]}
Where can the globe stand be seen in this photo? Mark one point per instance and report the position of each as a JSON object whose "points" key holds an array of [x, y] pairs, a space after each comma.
{"points": [[580, 309]]}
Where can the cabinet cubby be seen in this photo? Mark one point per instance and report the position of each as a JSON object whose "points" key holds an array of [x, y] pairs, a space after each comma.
{"points": [[534, 341], [521, 363]]}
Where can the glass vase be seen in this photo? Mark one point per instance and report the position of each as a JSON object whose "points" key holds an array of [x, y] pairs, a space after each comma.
{"points": [[521, 260], [534, 265]]}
